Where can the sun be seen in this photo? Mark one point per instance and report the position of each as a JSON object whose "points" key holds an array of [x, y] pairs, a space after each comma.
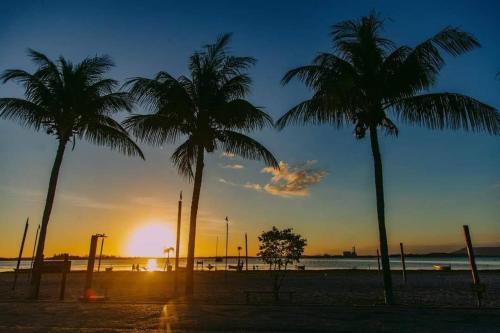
{"points": [[149, 240]]}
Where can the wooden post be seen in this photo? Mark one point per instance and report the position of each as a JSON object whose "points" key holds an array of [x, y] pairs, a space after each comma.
{"points": [[178, 242], [403, 264], [87, 292], [246, 251], [227, 237], [20, 254], [178, 239], [100, 255], [63, 279], [34, 249], [472, 260], [216, 251], [378, 260]]}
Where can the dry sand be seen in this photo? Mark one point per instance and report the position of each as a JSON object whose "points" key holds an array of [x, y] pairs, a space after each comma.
{"points": [[341, 301]]}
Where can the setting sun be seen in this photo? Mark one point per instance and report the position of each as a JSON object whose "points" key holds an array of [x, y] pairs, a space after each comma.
{"points": [[149, 240]]}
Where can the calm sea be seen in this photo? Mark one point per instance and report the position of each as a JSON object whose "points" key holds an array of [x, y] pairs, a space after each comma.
{"points": [[413, 263]]}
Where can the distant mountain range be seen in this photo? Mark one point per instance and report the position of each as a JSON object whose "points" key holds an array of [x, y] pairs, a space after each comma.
{"points": [[480, 251]]}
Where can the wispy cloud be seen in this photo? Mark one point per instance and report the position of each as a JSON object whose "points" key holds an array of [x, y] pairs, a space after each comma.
{"points": [[253, 186], [227, 182], [68, 198], [288, 181], [86, 202], [149, 201], [233, 166]]}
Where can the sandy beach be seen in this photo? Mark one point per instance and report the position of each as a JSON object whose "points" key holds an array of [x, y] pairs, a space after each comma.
{"points": [[322, 301]]}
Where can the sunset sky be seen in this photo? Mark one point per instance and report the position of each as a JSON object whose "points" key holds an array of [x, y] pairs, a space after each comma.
{"points": [[435, 181]]}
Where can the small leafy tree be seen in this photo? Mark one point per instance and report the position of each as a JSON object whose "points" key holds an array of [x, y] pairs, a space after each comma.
{"points": [[278, 249]]}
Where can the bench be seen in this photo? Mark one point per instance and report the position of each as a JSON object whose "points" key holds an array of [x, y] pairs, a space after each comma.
{"points": [[250, 292]]}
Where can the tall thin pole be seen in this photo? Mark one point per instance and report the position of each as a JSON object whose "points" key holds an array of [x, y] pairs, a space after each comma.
{"points": [[34, 249], [473, 267], [378, 260], [20, 254], [100, 255], [239, 256], [403, 263], [216, 250], [178, 239], [246, 251], [227, 237]]}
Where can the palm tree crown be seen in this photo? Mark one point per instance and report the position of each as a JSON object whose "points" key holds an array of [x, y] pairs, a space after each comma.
{"points": [[70, 101], [208, 108], [367, 76]]}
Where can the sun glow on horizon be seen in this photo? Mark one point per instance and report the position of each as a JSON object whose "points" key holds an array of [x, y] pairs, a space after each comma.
{"points": [[152, 265], [149, 240]]}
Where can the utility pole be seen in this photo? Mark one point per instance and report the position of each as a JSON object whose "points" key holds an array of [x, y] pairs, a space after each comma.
{"points": [[227, 237], [34, 249], [20, 253], [378, 260], [216, 250], [246, 252], [403, 263], [177, 243]]}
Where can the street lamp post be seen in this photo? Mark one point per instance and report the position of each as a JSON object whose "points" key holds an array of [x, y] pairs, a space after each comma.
{"points": [[239, 256], [227, 237]]}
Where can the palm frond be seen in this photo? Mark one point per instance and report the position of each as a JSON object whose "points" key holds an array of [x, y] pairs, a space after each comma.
{"points": [[246, 147], [105, 131], [237, 86], [328, 73], [184, 157], [155, 129], [241, 114], [448, 111], [317, 111], [26, 113], [112, 103], [35, 88], [93, 68], [425, 61]]}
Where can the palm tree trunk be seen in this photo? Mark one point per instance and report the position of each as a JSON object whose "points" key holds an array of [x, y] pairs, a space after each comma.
{"points": [[379, 188], [37, 266], [192, 222]]}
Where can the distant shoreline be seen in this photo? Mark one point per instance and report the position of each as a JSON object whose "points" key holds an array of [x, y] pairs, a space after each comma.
{"points": [[428, 255]]}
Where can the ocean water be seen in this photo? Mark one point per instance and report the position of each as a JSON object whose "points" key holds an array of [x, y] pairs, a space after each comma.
{"points": [[412, 263]]}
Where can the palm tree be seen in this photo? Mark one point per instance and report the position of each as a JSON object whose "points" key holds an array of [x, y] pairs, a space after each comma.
{"points": [[209, 109], [167, 251], [69, 102], [367, 78]]}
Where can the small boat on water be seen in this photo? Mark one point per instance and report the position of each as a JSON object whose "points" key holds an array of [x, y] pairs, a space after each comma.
{"points": [[441, 267]]}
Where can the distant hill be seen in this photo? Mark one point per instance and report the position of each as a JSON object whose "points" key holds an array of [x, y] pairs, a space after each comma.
{"points": [[480, 251]]}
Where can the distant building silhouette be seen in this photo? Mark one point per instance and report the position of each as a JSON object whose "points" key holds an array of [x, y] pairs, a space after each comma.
{"points": [[349, 253]]}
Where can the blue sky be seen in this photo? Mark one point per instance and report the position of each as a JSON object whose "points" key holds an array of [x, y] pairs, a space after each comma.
{"points": [[435, 181]]}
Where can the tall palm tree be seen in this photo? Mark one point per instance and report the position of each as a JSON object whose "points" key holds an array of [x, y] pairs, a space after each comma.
{"points": [[209, 109], [69, 102], [367, 78]]}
